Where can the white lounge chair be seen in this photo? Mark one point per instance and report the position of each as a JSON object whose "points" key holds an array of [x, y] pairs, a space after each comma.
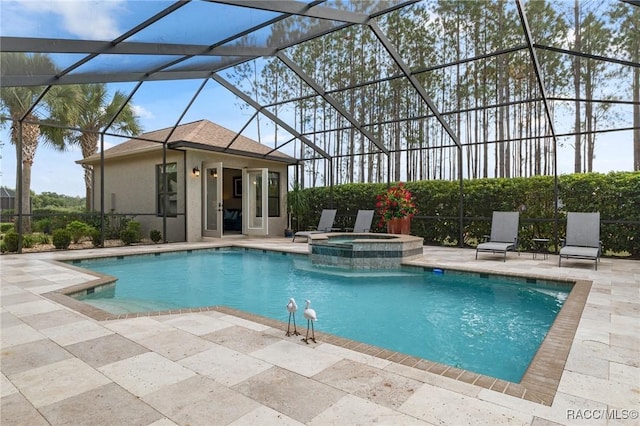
{"points": [[364, 218], [583, 237], [324, 225], [504, 234]]}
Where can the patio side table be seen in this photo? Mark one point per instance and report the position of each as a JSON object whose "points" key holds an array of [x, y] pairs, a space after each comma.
{"points": [[540, 246]]}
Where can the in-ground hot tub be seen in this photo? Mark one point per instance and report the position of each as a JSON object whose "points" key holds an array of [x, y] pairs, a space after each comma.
{"points": [[363, 250]]}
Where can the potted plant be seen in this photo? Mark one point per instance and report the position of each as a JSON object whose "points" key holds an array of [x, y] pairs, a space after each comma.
{"points": [[297, 205], [396, 207]]}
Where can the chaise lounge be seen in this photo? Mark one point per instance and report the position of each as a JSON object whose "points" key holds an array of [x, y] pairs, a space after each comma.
{"points": [[364, 218], [504, 234], [324, 225], [583, 237]]}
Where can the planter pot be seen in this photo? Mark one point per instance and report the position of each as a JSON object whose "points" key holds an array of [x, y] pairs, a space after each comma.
{"points": [[405, 225], [393, 225], [399, 225]]}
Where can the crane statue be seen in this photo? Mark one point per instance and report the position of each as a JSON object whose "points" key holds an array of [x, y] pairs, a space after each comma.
{"points": [[292, 308], [311, 317]]}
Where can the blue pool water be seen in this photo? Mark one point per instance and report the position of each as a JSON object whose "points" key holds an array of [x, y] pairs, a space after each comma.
{"points": [[482, 324]]}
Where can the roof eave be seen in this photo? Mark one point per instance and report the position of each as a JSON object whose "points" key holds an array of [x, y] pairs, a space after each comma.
{"points": [[96, 159], [195, 145]]}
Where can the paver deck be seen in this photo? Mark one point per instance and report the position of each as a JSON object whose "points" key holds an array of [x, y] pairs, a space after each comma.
{"points": [[220, 367]]}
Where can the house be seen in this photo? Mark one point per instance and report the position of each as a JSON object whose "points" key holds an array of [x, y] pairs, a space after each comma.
{"points": [[215, 183], [7, 201]]}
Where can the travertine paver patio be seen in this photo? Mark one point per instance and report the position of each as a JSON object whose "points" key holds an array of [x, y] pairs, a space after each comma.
{"points": [[215, 368]]}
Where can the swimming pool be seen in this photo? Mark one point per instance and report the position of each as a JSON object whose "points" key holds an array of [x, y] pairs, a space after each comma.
{"points": [[479, 323]]}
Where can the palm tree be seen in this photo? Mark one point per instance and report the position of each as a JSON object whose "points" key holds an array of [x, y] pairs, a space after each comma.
{"points": [[18, 102], [93, 112]]}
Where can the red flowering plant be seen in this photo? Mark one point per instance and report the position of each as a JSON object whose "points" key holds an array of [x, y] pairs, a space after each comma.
{"points": [[397, 201]]}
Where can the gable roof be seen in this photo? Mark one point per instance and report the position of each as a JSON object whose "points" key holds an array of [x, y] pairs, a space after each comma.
{"points": [[202, 134], [6, 192]]}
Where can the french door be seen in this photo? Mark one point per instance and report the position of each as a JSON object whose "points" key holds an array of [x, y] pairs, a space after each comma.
{"points": [[212, 207], [254, 201]]}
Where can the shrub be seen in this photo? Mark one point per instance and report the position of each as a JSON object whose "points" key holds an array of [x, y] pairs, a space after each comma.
{"points": [[43, 225], [114, 224], [5, 227], [155, 235], [59, 217], [77, 230], [94, 234], [61, 239], [10, 241], [40, 238], [132, 233], [27, 241], [615, 195]]}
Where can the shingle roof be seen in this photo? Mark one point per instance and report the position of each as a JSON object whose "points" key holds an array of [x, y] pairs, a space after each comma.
{"points": [[6, 192], [202, 134]]}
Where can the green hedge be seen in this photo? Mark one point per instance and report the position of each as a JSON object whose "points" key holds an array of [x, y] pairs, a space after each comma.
{"points": [[615, 195]]}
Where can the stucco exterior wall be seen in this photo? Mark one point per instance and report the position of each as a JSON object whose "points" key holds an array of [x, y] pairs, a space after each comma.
{"points": [[130, 187]]}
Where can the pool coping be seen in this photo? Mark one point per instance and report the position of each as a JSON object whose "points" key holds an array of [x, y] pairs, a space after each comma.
{"points": [[539, 383]]}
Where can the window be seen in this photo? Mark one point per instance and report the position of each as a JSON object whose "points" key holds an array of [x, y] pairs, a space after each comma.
{"points": [[274, 194], [170, 193]]}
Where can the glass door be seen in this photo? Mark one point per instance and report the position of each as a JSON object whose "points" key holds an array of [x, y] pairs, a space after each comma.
{"points": [[255, 203], [212, 207]]}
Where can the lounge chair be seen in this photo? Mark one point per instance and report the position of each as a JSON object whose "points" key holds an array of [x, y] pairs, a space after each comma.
{"points": [[504, 234], [324, 225], [364, 219], [583, 237]]}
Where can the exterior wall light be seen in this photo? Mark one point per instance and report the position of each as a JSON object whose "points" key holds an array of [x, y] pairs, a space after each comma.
{"points": [[196, 171]]}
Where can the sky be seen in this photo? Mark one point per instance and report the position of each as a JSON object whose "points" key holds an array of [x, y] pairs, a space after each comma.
{"points": [[159, 104]]}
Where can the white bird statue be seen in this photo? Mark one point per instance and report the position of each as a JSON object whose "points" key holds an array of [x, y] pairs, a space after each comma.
{"points": [[292, 308], [311, 316]]}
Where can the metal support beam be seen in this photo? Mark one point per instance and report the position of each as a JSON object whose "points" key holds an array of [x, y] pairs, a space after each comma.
{"points": [[547, 110], [54, 45], [237, 135], [413, 80], [330, 100], [588, 55], [165, 199], [102, 133], [102, 221], [125, 36], [301, 9], [233, 89], [19, 187]]}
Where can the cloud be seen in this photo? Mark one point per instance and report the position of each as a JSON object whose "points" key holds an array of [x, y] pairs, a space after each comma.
{"points": [[141, 112], [93, 20]]}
